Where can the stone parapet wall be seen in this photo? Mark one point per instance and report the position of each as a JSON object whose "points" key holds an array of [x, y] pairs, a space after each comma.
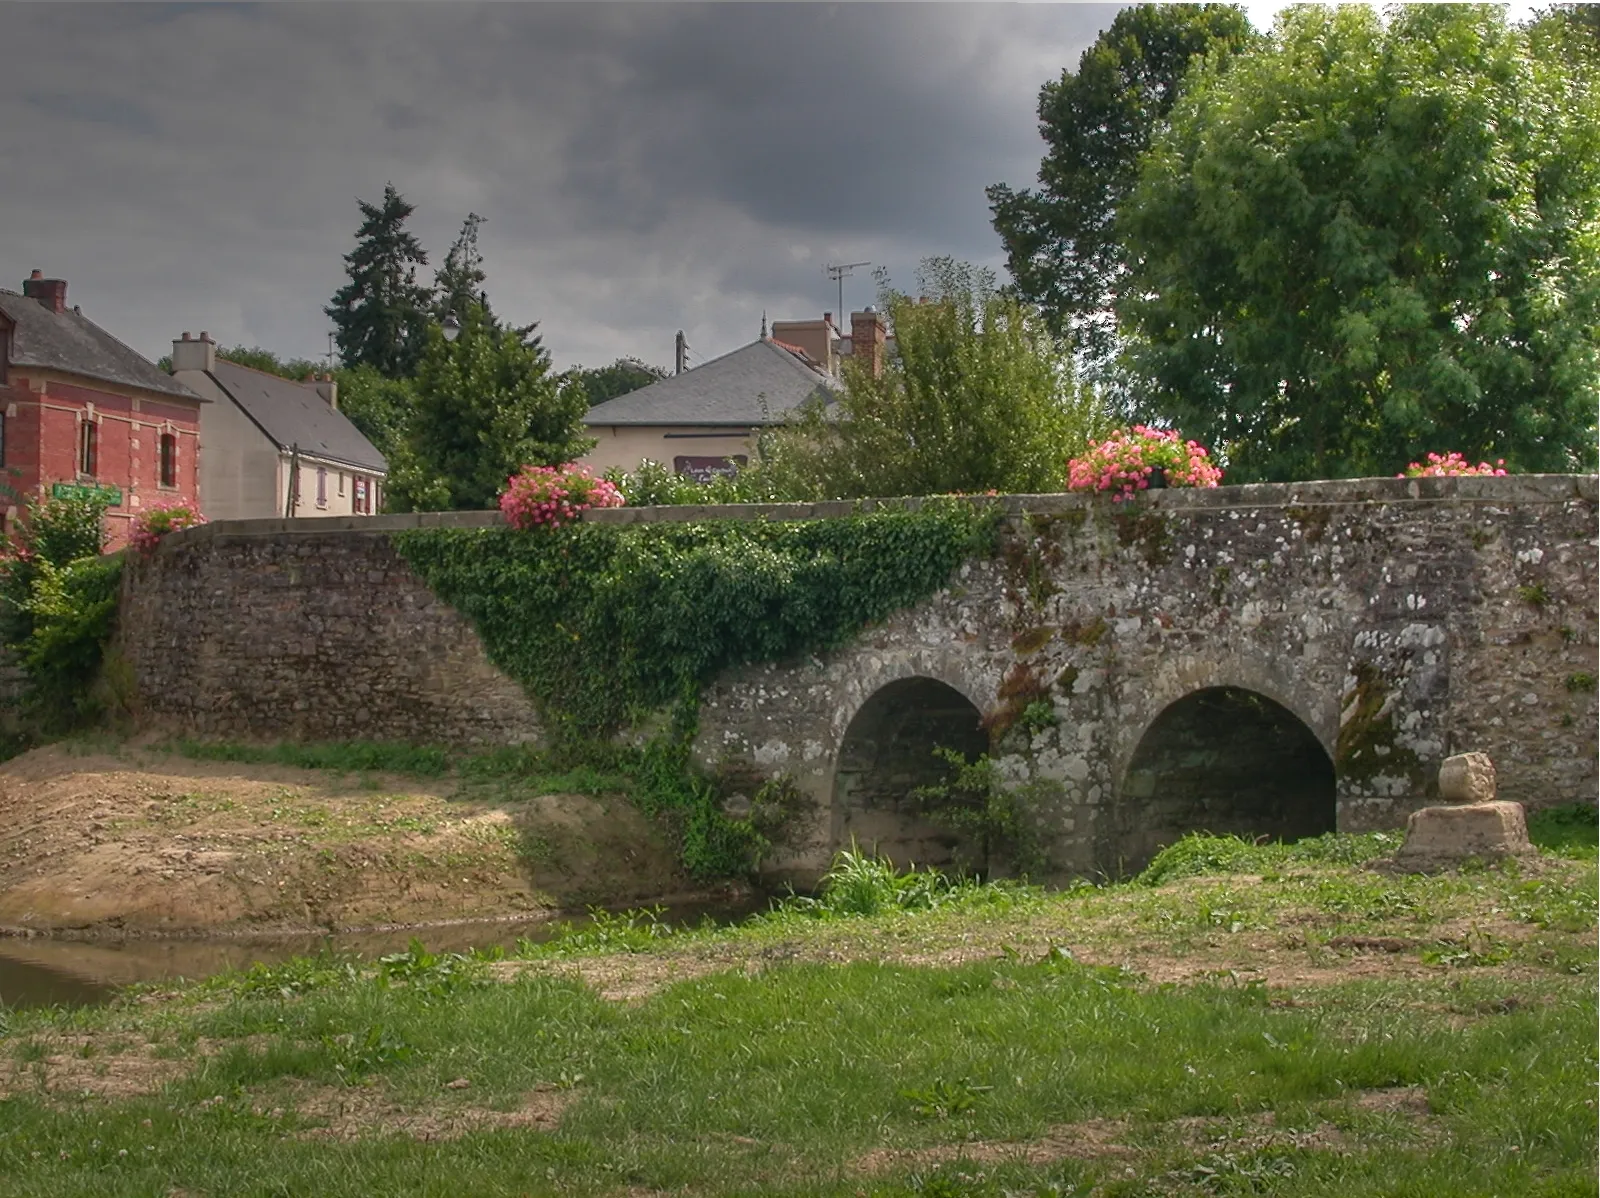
{"points": [[306, 634]]}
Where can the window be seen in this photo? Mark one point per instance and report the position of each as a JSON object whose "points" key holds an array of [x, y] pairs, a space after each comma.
{"points": [[341, 484], [361, 495], [5, 353], [322, 487], [2, 440], [169, 460], [88, 447]]}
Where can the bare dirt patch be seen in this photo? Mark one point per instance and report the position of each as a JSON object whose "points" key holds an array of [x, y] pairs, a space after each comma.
{"points": [[1093, 1139], [144, 843], [366, 1112], [83, 1066]]}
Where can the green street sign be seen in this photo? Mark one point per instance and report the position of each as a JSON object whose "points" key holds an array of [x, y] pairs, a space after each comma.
{"points": [[112, 495]]}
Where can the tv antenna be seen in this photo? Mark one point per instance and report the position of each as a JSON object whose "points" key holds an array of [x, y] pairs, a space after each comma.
{"points": [[839, 272]]}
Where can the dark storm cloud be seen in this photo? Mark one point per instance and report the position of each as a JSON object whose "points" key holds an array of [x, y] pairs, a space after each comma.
{"points": [[643, 168]]}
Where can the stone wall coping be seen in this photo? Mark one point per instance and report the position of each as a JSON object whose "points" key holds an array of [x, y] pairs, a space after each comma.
{"points": [[1519, 489]]}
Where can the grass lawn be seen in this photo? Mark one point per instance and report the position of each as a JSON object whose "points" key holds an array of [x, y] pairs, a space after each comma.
{"points": [[1241, 1020]]}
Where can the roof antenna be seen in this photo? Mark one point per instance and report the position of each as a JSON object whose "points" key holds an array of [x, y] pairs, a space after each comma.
{"points": [[839, 272], [763, 324]]}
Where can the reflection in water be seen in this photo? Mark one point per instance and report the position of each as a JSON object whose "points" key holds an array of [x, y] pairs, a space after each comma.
{"points": [[43, 972]]}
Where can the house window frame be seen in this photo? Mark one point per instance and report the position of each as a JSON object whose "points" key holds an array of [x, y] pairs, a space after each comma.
{"points": [[2, 428], [167, 460], [88, 447], [341, 484], [322, 486]]}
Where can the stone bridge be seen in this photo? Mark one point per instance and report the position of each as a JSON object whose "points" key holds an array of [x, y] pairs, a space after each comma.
{"points": [[1274, 660]]}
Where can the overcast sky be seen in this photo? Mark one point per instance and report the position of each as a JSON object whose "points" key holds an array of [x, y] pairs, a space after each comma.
{"points": [[642, 167]]}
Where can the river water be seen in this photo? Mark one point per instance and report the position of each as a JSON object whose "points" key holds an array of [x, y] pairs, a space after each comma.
{"points": [[46, 972]]}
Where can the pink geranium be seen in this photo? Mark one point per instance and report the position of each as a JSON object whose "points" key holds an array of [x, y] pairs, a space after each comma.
{"points": [[550, 496], [1124, 461], [153, 523], [1450, 464]]}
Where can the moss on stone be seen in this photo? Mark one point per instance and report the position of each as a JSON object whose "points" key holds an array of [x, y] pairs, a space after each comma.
{"points": [[1367, 747], [1151, 532], [1032, 640]]}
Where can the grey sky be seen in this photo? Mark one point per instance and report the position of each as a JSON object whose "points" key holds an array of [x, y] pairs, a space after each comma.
{"points": [[643, 168]]}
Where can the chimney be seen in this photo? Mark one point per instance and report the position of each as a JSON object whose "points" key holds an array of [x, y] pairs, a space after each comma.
{"points": [[867, 335], [52, 293], [326, 388], [190, 354]]}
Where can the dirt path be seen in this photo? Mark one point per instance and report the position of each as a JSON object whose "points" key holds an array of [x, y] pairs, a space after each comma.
{"points": [[149, 843]]}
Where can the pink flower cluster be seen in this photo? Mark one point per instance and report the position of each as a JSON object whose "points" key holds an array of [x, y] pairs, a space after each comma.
{"points": [[1440, 466], [554, 495], [153, 523], [1122, 463]]}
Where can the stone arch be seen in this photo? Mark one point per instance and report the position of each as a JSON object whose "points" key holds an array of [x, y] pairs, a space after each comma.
{"points": [[1223, 759], [885, 753]]}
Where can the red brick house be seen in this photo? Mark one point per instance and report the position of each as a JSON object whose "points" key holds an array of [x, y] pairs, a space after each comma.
{"points": [[79, 409]]}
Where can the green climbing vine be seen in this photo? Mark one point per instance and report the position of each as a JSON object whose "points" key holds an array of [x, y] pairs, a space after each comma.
{"points": [[607, 626]]}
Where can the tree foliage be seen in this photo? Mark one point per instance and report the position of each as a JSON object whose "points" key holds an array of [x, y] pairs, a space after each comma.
{"points": [[1062, 247], [977, 396], [1363, 241], [458, 284], [381, 315], [377, 405], [484, 406], [601, 383]]}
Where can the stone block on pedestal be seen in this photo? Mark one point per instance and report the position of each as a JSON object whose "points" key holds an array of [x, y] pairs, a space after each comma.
{"points": [[1441, 837], [1467, 778]]}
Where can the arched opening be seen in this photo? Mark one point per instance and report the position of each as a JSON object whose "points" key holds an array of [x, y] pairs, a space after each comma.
{"points": [[887, 754], [1224, 760]]}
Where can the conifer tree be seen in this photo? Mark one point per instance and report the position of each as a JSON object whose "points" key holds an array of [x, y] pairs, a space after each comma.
{"points": [[381, 315], [459, 281]]}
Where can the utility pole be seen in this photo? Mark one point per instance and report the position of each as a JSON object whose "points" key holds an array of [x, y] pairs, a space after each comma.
{"points": [[680, 354], [839, 272], [329, 354]]}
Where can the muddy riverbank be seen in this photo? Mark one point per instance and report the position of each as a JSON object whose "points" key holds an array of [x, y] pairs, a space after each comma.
{"points": [[121, 842]]}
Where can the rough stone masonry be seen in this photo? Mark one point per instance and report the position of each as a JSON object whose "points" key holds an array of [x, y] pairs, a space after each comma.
{"points": [[1272, 660]]}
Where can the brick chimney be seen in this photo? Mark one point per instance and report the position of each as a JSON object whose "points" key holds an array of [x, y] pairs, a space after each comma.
{"points": [[868, 332], [52, 293], [192, 354]]}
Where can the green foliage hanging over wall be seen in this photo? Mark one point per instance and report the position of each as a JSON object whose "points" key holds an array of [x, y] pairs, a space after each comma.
{"points": [[606, 624]]}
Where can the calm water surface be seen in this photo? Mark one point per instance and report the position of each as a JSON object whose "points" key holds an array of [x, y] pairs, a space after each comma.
{"points": [[41, 972]]}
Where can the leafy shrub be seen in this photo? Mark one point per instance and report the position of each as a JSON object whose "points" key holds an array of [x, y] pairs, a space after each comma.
{"points": [[550, 496], [654, 485], [1200, 854], [57, 605], [860, 883], [973, 803]]}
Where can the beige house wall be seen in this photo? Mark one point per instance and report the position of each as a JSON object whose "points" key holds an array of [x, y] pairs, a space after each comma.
{"points": [[339, 488], [625, 446]]}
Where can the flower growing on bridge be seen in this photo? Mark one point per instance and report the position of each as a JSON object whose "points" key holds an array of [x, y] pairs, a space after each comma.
{"points": [[1126, 463], [554, 495], [1445, 465], [153, 523]]}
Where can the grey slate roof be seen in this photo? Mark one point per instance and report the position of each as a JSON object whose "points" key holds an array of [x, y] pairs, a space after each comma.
{"points": [[73, 344], [291, 414], [754, 386]]}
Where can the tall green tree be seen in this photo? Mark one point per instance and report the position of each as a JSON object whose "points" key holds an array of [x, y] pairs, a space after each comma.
{"points": [[601, 383], [484, 407], [459, 281], [1366, 241], [978, 395], [381, 315], [1062, 247], [377, 405]]}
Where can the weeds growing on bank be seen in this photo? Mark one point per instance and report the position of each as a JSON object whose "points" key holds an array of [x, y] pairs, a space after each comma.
{"points": [[797, 1055]]}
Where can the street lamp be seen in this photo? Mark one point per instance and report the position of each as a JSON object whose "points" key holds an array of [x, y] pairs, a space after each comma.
{"points": [[451, 327]]}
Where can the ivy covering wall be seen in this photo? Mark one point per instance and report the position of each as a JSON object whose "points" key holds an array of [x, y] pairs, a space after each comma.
{"points": [[607, 624]]}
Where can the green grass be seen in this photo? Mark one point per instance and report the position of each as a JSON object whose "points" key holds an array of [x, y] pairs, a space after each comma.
{"points": [[775, 1057], [419, 761], [1572, 830]]}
